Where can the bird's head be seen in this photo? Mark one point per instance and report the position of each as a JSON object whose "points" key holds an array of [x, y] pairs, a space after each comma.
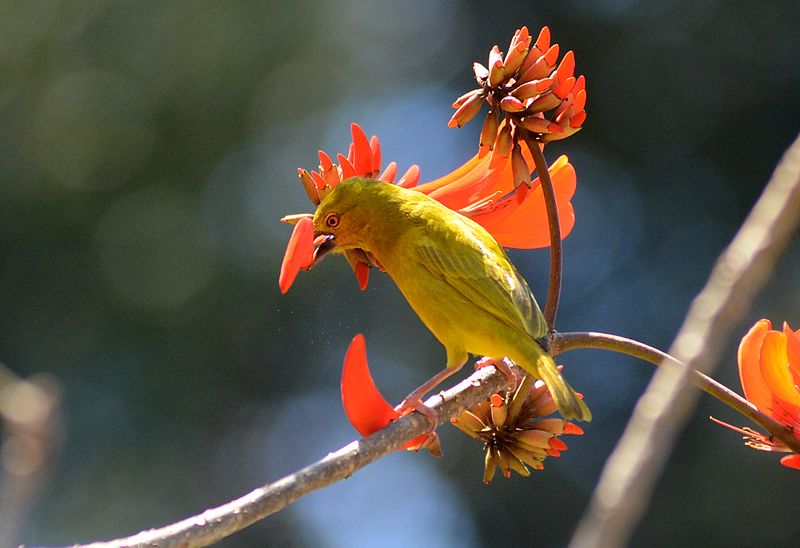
{"points": [[352, 215]]}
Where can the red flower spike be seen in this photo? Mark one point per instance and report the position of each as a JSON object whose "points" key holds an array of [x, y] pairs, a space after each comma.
{"points": [[563, 89], [364, 405], [325, 162], [544, 102], [348, 170], [553, 452], [410, 178], [362, 274], [566, 68], [467, 111], [389, 173], [537, 71], [558, 444], [466, 97], [375, 146], [299, 253], [318, 180], [362, 152], [572, 428], [551, 56], [509, 103], [579, 103], [533, 88], [351, 153], [543, 40], [496, 70]]}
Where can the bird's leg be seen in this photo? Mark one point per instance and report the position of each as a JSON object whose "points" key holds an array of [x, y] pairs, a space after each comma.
{"points": [[413, 402], [504, 366]]}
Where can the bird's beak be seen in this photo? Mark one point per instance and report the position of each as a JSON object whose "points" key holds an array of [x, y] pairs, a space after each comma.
{"points": [[323, 243]]}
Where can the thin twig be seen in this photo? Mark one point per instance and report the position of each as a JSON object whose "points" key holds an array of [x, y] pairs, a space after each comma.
{"points": [[217, 523], [626, 484], [554, 289], [563, 342]]}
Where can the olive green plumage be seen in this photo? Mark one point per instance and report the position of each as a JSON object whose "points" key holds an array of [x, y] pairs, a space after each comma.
{"points": [[453, 274]]}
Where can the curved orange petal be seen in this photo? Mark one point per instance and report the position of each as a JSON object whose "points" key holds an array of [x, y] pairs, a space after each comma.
{"points": [[299, 253], [524, 225], [791, 461], [775, 370], [755, 389], [793, 352], [474, 181], [364, 405]]}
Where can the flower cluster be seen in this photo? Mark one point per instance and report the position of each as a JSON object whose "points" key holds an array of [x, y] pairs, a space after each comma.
{"points": [[769, 368], [538, 100], [514, 433]]}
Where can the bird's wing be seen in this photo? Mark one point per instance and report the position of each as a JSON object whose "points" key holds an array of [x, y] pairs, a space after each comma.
{"points": [[479, 269]]}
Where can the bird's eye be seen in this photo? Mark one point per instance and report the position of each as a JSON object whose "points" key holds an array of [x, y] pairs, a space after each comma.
{"points": [[332, 220]]}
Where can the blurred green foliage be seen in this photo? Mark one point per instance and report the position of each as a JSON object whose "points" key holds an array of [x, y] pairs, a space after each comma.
{"points": [[148, 149]]}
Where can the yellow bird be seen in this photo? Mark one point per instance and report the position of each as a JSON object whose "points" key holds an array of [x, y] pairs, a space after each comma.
{"points": [[454, 275]]}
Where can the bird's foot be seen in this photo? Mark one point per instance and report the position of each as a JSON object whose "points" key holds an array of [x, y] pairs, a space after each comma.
{"points": [[413, 402], [504, 366]]}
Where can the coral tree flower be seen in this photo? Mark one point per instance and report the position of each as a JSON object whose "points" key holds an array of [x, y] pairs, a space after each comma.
{"points": [[364, 405], [769, 368], [476, 189], [514, 432], [540, 99]]}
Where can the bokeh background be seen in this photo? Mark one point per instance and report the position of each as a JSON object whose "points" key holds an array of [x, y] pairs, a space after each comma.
{"points": [[148, 149]]}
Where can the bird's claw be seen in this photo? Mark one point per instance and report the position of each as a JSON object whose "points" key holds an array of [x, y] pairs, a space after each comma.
{"points": [[504, 366], [411, 404]]}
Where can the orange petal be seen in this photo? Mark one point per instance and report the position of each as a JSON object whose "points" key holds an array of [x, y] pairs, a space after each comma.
{"points": [[299, 253], [375, 146], [362, 152], [775, 368], [348, 170], [755, 389], [389, 173], [364, 405], [410, 178], [791, 461], [793, 351], [325, 161], [525, 225], [362, 274]]}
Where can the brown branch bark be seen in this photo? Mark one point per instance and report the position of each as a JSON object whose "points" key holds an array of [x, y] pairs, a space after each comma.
{"points": [[627, 481], [217, 523]]}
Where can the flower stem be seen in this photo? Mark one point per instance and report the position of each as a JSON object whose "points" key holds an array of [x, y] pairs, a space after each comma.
{"points": [[554, 289], [563, 342]]}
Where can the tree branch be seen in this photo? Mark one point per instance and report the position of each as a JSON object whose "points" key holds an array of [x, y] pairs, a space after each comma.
{"points": [[217, 523], [627, 481], [563, 342]]}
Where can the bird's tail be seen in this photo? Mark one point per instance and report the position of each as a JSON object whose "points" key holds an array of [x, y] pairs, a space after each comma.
{"points": [[569, 404]]}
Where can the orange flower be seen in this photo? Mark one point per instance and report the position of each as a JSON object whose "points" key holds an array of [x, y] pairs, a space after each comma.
{"points": [[484, 193], [516, 435], [541, 100], [364, 405], [769, 368]]}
